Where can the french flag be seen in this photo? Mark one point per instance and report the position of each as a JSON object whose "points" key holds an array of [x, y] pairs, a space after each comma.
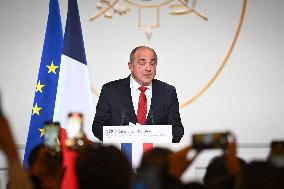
{"points": [[74, 88], [134, 152]]}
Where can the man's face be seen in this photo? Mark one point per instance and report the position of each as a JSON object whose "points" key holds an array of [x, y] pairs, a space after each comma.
{"points": [[143, 66]]}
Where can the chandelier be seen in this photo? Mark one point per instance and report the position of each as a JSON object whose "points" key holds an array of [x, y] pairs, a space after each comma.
{"points": [[110, 8]]}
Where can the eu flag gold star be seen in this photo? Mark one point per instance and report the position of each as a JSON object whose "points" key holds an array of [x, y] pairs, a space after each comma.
{"points": [[36, 109], [39, 87], [52, 68], [42, 131]]}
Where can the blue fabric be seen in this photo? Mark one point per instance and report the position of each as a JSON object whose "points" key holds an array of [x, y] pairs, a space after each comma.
{"points": [[126, 148], [73, 38], [51, 53]]}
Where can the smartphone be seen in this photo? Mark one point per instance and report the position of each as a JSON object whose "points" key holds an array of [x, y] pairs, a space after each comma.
{"points": [[217, 140], [51, 136], [74, 125], [276, 155], [74, 130]]}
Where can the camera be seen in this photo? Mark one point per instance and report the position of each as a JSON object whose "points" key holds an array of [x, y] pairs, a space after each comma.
{"points": [[74, 131], [217, 140], [51, 141]]}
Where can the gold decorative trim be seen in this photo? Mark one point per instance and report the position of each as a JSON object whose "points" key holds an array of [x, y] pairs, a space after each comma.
{"points": [[110, 5], [220, 69], [179, 8], [148, 6]]}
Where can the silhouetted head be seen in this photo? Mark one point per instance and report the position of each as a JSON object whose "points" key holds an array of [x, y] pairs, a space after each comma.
{"points": [[217, 174], [99, 166]]}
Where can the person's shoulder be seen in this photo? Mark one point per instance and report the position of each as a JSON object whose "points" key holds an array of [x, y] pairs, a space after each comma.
{"points": [[116, 83], [162, 84]]}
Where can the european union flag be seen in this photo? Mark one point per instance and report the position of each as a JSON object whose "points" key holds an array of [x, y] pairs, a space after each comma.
{"points": [[46, 86]]}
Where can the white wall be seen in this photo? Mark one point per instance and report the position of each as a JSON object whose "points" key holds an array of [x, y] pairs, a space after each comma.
{"points": [[247, 98]]}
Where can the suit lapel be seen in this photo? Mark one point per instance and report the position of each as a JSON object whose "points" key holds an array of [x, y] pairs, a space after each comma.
{"points": [[154, 103], [127, 100]]}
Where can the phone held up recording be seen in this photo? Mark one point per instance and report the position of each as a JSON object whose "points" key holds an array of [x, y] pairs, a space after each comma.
{"points": [[51, 140], [74, 131], [276, 154], [216, 140]]}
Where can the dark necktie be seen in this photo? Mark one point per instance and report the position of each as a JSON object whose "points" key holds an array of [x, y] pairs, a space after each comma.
{"points": [[141, 114]]}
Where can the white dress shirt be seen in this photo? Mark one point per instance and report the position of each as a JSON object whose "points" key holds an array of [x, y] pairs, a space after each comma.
{"points": [[135, 93]]}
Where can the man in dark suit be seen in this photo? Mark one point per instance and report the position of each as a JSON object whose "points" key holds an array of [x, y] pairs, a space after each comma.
{"points": [[118, 102]]}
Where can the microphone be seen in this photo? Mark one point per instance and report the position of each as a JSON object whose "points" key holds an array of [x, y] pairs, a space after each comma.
{"points": [[123, 117], [151, 116]]}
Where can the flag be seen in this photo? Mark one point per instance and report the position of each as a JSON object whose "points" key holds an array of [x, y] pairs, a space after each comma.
{"points": [[133, 152], [74, 88], [46, 86]]}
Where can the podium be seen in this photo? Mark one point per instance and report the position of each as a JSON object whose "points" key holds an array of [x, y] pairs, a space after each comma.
{"points": [[132, 138]]}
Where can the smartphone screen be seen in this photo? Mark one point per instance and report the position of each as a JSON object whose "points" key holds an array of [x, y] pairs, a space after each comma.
{"points": [[74, 125], [276, 155], [209, 140], [51, 136]]}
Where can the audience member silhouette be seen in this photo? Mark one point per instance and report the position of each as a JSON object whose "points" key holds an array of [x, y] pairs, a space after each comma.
{"points": [[106, 167], [17, 177], [217, 174], [262, 175], [45, 168], [153, 172]]}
